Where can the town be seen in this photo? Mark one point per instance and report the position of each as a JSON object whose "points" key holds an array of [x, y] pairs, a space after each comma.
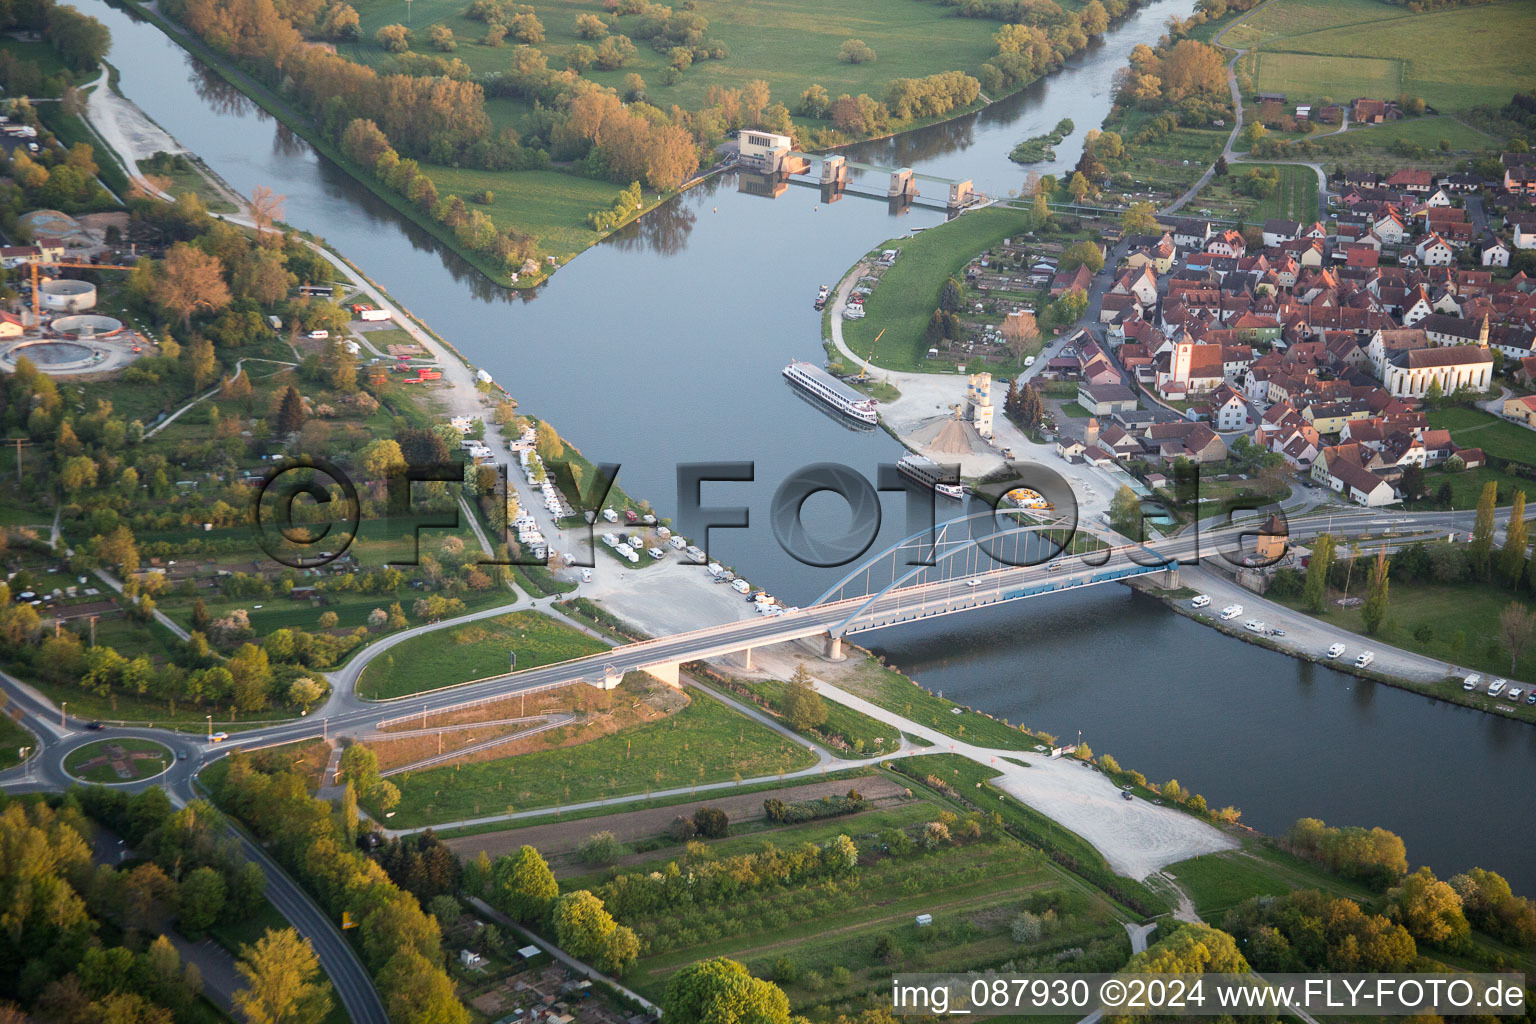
{"points": [[444, 583]]}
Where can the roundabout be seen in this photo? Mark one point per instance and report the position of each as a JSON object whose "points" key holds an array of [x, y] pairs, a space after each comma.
{"points": [[118, 761]]}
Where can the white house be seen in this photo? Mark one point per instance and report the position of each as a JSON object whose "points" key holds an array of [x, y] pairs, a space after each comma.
{"points": [[1495, 254], [1434, 251], [1525, 231], [1410, 372], [1228, 410]]}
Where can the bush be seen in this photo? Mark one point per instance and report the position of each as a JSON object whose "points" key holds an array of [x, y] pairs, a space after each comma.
{"points": [[711, 822], [600, 848]]}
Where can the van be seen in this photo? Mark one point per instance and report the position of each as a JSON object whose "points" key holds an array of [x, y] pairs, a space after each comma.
{"points": [[1470, 682], [1200, 601], [1231, 611], [1365, 659], [319, 335]]}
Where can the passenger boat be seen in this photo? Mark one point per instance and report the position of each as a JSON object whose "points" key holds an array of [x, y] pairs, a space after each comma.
{"points": [[821, 298], [820, 384], [928, 473]]}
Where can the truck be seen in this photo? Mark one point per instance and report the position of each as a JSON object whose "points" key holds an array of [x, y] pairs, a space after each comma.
{"points": [[374, 314]]}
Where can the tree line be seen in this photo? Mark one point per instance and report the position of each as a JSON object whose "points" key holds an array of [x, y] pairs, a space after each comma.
{"points": [[399, 943]]}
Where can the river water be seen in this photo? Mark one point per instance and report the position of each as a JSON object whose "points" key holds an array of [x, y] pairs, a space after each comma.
{"points": [[664, 344]]}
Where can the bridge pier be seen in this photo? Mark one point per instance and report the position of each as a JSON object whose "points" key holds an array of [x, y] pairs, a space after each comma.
{"points": [[1169, 580], [746, 659], [666, 671], [834, 648]]}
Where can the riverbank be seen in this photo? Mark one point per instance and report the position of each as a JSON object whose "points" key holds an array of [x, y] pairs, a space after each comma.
{"points": [[303, 127], [1308, 638]]}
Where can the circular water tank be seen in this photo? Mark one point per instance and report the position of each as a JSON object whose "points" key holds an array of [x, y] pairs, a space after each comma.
{"points": [[68, 296]]}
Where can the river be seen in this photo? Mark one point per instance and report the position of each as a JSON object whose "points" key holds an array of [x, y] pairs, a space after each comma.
{"points": [[664, 344]]}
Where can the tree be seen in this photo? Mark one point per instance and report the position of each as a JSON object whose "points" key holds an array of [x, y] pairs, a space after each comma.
{"points": [[304, 691], [283, 983], [1517, 625], [1412, 483], [1140, 219], [394, 38], [290, 413], [720, 989], [1125, 513], [266, 207], [856, 51], [522, 886], [382, 458], [417, 990], [582, 924], [1084, 253], [1315, 592], [1429, 908], [1516, 540], [803, 706], [1021, 331], [191, 281], [1482, 529], [200, 901], [1374, 612], [1078, 187]]}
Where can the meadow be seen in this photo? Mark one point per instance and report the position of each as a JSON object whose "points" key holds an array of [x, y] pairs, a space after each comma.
{"points": [[1217, 882], [474, 650], [791, 44], [907, 295], [704, 742], [1304, 76], [895, 692]]}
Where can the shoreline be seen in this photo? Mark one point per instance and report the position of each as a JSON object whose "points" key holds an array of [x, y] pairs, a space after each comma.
{"points": [[1456, 697], [262, 96]]}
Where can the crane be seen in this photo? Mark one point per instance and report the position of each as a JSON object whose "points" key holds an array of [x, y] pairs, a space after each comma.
{"points": [[864, 373], [37, 296]]}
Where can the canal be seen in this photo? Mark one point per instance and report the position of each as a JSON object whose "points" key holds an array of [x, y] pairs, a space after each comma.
{"points": [[665, 344]]}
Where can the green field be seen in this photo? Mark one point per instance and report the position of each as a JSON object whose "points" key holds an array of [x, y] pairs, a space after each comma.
{"points": [[137, 768], [1474, 428], [704, 742], [474, 650], [907, 295], [550, 204], [1217, 882], [1454, 58], [864, 735], [1305, 76], [791, 44], [895, 692], [1294, 199]]}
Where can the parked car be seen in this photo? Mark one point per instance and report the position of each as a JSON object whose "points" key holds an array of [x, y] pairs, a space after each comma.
{"points": [[1125, 794]]}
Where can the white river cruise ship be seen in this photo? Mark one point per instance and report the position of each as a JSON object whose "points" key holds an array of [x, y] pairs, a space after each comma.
{"points": [[822, 385]]}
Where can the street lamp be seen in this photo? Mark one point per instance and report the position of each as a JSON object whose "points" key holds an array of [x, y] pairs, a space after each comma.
{"points": [[62, 709], [210, 727]]}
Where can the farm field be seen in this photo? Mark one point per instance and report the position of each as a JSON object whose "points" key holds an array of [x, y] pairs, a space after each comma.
{"points": [[703, 742], [1481, 54], [791, 44], [855, 931], [1294, 199], [473, 651], [558, 840]]}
